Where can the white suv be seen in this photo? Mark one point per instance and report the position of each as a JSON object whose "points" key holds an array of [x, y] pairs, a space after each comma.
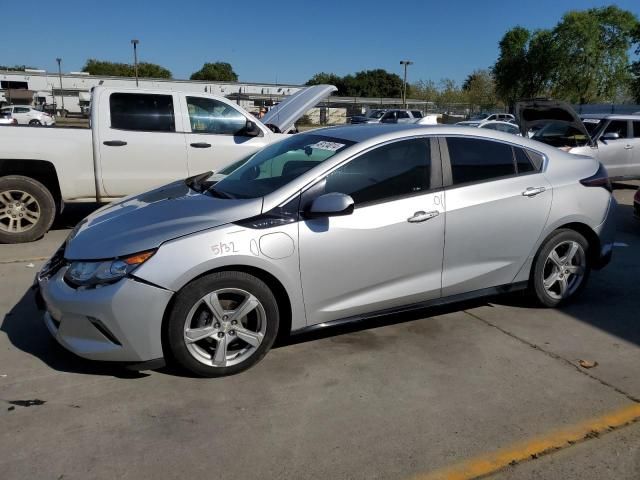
{"points": [[26, 115]]}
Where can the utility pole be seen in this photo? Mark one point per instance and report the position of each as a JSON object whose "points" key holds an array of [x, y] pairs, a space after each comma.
{"points": [[406, 63], [135, 43], [59, 60]]}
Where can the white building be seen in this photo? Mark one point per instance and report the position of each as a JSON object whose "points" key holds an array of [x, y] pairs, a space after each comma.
{"points": [[38, 87]]}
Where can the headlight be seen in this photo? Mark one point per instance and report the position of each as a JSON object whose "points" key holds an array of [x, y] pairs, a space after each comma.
{"points": [[104, 271]]}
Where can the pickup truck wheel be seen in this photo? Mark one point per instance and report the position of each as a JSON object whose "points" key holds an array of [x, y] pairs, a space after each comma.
{"points": [[27, 209]]}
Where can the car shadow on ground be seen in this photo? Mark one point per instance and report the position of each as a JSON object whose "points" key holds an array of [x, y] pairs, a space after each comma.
{"points": [[72, 214], [25, 329]]}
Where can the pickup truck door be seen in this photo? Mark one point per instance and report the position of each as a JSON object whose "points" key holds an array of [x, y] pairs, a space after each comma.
{"points": [[139, 141], [214, 133]]}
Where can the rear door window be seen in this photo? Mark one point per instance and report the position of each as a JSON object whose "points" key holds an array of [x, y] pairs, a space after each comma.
{"points": [[636, 129], [478, 160], [142, 112]]}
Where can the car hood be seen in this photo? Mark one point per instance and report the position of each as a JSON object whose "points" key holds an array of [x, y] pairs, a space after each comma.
{"points": [[287, 112], [531, 113], [145, 221]]}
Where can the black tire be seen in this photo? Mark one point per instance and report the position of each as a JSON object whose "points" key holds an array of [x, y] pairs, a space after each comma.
{"points": [[45, 204], [191, 294], [35, 123], [554, 240]]}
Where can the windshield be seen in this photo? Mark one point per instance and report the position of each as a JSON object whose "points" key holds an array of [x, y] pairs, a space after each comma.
{"points": [[376, 113], [278, 164]]}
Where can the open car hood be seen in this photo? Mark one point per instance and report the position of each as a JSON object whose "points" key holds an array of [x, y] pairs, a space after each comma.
{"points": [[531, 113], [287, 112]]}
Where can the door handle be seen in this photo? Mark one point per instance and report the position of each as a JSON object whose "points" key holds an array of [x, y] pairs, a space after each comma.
{"points": [[422, 216], [115, 143], [628, 147], [201, 145], [533, 191]]}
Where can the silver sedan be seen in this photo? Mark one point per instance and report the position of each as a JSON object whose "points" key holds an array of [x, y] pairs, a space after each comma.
{"points": [[329, 226]]}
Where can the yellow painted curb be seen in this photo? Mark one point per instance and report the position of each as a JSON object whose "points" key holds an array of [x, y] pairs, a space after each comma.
{"points": [[493, 461]]}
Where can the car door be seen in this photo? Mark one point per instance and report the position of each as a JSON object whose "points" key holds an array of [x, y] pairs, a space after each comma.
{"points": [[22, 115], [634, 167], [616, 154], [140, 143], [497, 203], [215, 134], [388, 252]]}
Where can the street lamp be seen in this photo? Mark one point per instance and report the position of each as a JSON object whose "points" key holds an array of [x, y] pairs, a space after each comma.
{"points": [[135, 43], [59, 60], [406, 63]]}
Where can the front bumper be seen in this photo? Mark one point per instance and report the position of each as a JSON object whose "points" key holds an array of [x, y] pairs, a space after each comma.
{"points": [[606, 232], [121, 322]]}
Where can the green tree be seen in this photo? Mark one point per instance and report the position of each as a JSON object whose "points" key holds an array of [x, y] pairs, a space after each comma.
{"points": [[634, 86], [367, 83], [594, 46], [323, 78], [425, 90], [16, 68], [115, 69], [509, 69], [479, 88], [216, 72]]}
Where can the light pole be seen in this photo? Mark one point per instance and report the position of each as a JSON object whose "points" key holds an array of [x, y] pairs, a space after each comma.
{"points": [[406, 63], [135, 43], [59, 60]]}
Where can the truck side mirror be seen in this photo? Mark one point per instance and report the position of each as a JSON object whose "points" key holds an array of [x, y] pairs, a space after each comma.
{"points": [[251, 130]]}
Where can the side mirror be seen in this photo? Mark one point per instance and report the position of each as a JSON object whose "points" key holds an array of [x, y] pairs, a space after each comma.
{"points": [[331, 205], [611, 136], [251, 130]]}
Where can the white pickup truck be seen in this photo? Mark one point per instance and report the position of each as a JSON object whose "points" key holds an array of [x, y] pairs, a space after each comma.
{"points": [[139, 139]]}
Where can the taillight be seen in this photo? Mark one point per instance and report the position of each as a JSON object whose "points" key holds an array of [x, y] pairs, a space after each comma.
{"points": [[599, 179]]}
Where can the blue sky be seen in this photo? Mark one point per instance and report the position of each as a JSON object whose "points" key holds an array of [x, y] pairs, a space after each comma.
{"points": [[285, 42]]}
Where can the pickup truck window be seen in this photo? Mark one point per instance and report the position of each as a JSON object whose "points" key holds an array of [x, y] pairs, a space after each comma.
{"points": [[142, 111], [207, 115]]}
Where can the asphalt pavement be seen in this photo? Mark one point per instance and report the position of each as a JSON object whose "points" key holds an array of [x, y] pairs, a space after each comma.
{"points": [[405, 396]]}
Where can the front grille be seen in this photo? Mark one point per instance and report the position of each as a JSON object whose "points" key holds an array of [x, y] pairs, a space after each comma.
{"points": [[55, 263]]}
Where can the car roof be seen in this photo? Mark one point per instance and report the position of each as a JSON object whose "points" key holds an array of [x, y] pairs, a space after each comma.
{"points": [[360, 133]]}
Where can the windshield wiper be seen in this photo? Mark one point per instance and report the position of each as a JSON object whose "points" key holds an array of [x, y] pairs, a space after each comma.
{"points": [[196, 182], [219, 193]]}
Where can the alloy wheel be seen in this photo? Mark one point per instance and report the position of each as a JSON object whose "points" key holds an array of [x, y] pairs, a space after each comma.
{"points": [[19, 211], [564, 269], [225, 327]]}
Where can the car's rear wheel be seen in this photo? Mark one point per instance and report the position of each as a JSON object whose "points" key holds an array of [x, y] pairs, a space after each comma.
{"points": [[35, 123], [222, 324], [27, 209], [561, 268]]}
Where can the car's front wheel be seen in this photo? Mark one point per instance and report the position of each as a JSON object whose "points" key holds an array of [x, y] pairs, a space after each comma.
{"points": [[222, 324], [561, 268], [35, 123]]}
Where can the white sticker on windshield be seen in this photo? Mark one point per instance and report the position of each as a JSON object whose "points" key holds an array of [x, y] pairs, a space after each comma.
{"points": [[331, 146]]}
